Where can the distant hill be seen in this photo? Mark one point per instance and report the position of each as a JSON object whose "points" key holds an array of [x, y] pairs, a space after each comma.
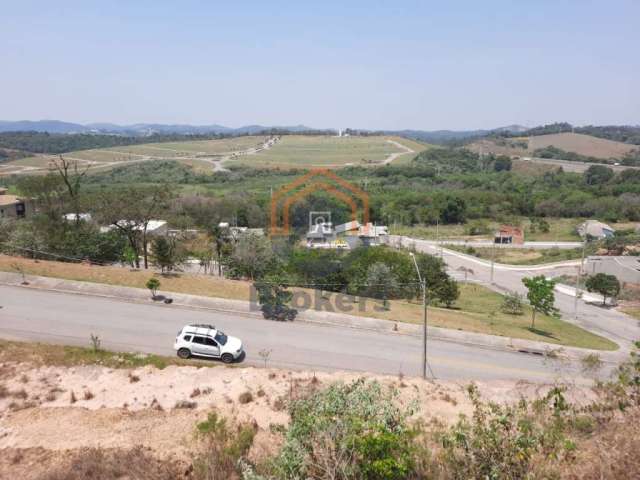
{"points": [[138, 129], [49, 126], [440, 137], [565, 144]]}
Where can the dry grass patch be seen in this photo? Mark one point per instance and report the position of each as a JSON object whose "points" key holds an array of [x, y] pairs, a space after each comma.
{"points": [[39, 354]]}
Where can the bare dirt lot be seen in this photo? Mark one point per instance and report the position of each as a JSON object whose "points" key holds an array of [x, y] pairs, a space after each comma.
{"points": [[581, 144]]}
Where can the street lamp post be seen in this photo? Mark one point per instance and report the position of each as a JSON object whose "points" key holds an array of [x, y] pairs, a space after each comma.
{"points": [[423, 283], [579, 280]]}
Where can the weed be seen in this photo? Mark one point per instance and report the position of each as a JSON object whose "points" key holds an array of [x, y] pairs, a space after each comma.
{"points": [[245, 397], [96, 343], [88, 395], [185, 404], [72, 397], [20, 394], [133, 378], [224, 448]]}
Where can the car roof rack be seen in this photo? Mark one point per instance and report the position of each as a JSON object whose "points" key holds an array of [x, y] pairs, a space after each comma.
{"points": [[202, 325]]}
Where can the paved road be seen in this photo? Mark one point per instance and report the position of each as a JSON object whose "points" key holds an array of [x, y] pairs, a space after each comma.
{"points": [[609, 323], [489, 244], [70, 319], [570, 166]]}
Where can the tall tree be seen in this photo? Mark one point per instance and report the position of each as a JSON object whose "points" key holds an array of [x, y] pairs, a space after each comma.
{"points": [[540, 295], [130, 210], [72, 176], [604, 284]]}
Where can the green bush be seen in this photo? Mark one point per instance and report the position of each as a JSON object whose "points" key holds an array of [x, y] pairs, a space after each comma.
{"points": [[348, 431], [224, 448], [501, 441], [512, 304]]}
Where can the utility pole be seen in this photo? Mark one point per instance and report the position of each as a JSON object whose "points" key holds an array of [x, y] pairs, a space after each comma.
{"points": [[493, 259], [423, 283], [579, 280]]}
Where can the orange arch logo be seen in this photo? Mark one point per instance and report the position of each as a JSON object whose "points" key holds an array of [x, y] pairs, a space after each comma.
{"points": [[316, 180]]}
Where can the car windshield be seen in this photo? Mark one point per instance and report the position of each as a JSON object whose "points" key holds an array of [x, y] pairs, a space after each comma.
{"points": [[221, 338]]}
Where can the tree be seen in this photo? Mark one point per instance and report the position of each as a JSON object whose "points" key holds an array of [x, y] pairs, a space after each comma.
{"points": [[381, 283], [221, 237], [130, 210], [453, 210], [447, 292], [502, 163], [604, 284], [252, 257], [165, 253], [274, 298], [597, 175], [72, 177], [541, 296], [153, 284]]}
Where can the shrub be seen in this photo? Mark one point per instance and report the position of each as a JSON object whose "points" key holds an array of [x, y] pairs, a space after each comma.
{"points": [[186, 404], [225, 448], [512, 304], [245, 397], [503, 441], [348, 431], [153, 284]]}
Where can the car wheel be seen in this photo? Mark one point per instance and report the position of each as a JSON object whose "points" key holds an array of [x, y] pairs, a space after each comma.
{"points": [[184, 353], [227, 358]]}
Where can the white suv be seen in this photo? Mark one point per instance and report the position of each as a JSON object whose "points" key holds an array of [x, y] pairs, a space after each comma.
{"points": [[207, 341]]}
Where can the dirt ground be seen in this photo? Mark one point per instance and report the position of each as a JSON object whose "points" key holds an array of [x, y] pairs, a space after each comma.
{"points": [[47, 413]]}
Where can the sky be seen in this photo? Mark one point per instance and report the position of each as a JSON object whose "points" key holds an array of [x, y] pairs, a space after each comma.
{"points": [[332, 64]]}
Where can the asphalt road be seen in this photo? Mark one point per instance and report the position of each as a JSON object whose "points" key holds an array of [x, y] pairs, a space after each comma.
{"points": [[28, 314], [609, 323], [571, 166]]}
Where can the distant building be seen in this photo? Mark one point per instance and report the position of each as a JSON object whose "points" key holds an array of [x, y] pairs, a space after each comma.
{"points": [[71, 217], [348, 235], [595, 229], [234, 233], [156, 228], [12, 206], [509, 235], [320, 235]]}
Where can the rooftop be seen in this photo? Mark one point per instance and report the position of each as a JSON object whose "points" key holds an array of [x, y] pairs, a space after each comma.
{"points": [[9, 199]]}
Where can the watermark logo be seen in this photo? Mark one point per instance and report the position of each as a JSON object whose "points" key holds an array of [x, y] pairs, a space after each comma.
{"points": [[317, 180]]}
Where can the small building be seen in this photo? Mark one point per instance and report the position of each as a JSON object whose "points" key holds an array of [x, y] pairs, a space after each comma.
{"points": [[320, 235], [156, 228], [12, 206], [348, 235], [595, 229], [71, 217], [509, 235]]}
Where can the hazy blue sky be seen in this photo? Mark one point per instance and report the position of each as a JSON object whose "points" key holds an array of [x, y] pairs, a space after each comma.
{"points": [[404, 64]]}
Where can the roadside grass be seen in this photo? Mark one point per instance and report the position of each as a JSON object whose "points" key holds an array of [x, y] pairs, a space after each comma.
{"points": [[631, 311], [66, 356], [477, 309]]}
